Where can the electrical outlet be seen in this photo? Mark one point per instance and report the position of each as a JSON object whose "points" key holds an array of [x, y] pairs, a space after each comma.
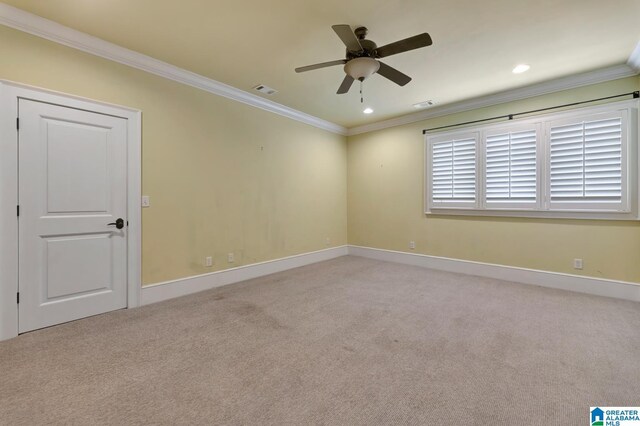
{"points": [[208, 261], [231, 258], [577, 264], [327, 241], [146, 201], [412, 245]]}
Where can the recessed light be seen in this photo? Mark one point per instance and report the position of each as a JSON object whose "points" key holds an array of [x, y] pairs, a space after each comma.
{"points": [[519, 69], [367, 111], [424, 104]]}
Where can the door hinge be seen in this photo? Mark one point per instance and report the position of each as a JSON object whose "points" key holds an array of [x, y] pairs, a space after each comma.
{"points": [[18, 210], [18, 123], [18, 297]]}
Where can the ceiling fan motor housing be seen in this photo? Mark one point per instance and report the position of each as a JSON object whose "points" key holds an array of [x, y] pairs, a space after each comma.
{"points": [[368, 50], [361, 64]]}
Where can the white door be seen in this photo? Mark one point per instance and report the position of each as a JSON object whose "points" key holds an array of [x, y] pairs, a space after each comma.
{"points": [[72, 189]]}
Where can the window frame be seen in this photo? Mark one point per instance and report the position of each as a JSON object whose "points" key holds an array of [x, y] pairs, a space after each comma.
{"points": [[543, 208]]}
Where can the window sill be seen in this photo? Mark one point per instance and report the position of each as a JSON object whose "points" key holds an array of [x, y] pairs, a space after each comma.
{"points": [[535, 214]]}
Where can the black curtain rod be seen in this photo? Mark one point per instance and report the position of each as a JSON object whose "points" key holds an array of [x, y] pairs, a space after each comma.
{"points": [[635, 94]]}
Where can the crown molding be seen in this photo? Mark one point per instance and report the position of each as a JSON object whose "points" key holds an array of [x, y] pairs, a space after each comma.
{"points": [[27, 22], [551, 86], [634, 59]]}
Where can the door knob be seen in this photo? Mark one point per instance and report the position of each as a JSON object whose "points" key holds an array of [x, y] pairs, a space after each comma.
{"points": [[119, 223]]}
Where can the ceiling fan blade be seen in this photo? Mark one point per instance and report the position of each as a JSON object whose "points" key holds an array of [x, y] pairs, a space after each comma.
{"points": [[415, 42], [346, 85], [393, 74], [348, 37], [321, 65]]}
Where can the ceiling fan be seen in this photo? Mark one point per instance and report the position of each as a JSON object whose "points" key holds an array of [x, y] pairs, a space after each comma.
{"points": [[362, 56]]}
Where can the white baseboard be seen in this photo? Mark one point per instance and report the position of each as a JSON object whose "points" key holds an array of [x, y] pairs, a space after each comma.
{"points": [[590, 285], [169, 289], [577, 283]]}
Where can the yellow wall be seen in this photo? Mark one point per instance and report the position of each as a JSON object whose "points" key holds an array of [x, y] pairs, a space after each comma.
{"points": [[223, 176], [385, 205], [226, 177]]}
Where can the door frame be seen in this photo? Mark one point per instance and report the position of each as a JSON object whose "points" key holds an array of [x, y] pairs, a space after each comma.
{"points": [[10, 93]]}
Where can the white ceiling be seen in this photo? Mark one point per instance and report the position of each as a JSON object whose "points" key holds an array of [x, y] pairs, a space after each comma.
{"points": [[476, 44]]}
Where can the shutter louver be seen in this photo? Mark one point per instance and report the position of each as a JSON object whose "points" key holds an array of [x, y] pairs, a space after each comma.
{"points": [[454, 171], [586, 161], [511, 174]]}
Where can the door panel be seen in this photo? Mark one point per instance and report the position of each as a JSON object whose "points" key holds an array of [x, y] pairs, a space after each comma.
{"points": [[76, 265], [77, 168], [72, 184]]}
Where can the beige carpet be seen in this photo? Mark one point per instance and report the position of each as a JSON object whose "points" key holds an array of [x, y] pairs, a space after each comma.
{"points": [[348, 341]]}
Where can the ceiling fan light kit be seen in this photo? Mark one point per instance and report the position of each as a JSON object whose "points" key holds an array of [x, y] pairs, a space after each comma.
{"points": [[361, 68], [362, 56]]}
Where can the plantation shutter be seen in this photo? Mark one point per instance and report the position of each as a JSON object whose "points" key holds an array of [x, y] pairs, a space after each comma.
{"points": [[453, 176], [586, 161], [569, 164], [511, 167]]}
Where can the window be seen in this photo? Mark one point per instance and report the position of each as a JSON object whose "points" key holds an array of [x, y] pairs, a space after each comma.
{"points": [[575, 164], [511, 177], [586, 162], [454, 170]]}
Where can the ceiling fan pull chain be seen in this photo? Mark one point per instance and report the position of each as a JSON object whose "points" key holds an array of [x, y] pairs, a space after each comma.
{"points": [[361, 97]]}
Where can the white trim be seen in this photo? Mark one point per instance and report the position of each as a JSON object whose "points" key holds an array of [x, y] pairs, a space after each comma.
{"points": [[80, 101], [634, 59], [578, 80], [170, 289], [590, 285], [8, 219], [602, 287], [9, 94], [24, 21], [134, 209]]}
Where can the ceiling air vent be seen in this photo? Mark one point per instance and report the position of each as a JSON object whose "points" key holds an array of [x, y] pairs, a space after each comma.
{"points": [[265, 89], [424, 104]]}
